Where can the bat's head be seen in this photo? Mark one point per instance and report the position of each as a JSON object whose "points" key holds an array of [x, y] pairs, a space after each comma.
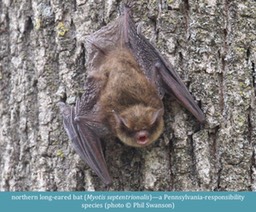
{"points": [[139, 125]]}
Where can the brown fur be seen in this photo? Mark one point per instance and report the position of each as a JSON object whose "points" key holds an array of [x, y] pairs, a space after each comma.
{"points": [[129, 95]]}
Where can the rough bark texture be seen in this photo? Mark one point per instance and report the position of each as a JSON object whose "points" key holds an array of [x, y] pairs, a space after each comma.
{"points": [[42, 60]]}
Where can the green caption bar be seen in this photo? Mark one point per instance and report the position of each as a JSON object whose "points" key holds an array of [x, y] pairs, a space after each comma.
{"points": [[127, 201]]}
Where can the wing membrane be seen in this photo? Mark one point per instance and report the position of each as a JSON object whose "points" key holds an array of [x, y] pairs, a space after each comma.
{"points": [[85, 142]]}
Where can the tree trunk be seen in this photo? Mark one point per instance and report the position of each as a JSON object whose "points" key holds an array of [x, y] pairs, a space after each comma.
{"points": [[212, 43]]}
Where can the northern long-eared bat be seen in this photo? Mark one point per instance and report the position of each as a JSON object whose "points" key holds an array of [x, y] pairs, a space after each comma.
{"points": [[127, 79]]}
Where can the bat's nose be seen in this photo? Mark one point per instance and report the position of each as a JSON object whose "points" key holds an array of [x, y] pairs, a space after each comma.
{"points": [[142, 137]]}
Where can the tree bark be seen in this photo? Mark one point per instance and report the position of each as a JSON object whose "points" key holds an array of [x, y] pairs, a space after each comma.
{"points": [[212, 43]]}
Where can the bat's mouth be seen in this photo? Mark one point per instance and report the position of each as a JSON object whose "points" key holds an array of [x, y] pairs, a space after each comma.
{"points": [[142, 137]]}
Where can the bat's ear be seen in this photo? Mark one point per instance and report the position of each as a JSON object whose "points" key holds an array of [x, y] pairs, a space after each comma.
{"points": [[120, 120], [157, 114]]}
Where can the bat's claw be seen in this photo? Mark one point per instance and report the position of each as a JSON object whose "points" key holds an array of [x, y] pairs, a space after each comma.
{"points": [[65, 110], [126, 7]]}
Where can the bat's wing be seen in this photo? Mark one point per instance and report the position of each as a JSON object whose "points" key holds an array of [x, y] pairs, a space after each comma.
{"points": [[122, 33], [79, 123], [153, 65]]}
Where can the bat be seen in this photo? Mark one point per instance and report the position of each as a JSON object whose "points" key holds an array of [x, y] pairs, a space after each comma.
{"points": [[127, 79]]}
